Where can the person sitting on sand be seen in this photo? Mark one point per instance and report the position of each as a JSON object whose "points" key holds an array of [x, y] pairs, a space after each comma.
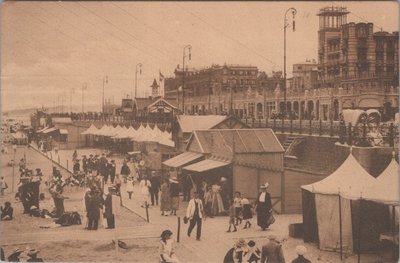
{"points": [[7, 212]]}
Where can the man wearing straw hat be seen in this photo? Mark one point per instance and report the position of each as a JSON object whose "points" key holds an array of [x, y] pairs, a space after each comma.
{"points": [[263, 207]]}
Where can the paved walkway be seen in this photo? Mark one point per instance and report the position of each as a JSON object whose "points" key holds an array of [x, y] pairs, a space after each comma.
{"points": [[214, 241]]}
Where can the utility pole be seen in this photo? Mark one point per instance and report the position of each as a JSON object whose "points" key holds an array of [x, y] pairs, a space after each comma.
{"points": [[105, 81], [138, 65], [84, 87], [189, 48], [285, 25]]}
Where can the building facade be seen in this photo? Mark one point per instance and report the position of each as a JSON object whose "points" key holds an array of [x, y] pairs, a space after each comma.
{"points": [[356, 68]]}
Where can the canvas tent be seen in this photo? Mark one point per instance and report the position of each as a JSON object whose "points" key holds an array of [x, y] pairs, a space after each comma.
{"points": [[327, 218], [90, 131]]}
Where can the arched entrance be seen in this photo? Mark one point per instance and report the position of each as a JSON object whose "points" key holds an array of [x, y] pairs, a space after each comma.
{"points": [[296, 109], [259, 110], [310, 110], [335, 110], [302, 109], [281, 107], [289, 108]]}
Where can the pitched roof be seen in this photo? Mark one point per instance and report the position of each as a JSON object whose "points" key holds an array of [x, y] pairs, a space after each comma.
{"points": [[202, 122], [387, 187], [142, 103], [350, 180], [61, 120], [238, 140]]}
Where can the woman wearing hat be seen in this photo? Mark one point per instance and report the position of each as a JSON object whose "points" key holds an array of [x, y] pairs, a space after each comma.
{"points": [[165, 198], [236, 253], [263, 207], [174, 193], [301, 250], [32, 254], [166, 250]]}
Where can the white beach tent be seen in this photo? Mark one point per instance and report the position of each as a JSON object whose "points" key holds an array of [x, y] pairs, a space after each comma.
{"points": [[91, 130], [100, 131], [132, 133], [114, 131], [386, 190], [122, 134], [334, 212]]}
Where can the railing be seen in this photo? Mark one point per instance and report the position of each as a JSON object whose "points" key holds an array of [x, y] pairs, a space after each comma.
{"points": [[359, 135]]}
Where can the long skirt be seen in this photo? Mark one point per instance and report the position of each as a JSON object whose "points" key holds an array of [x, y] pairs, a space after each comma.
{"points": [[262, 217], [175, 202], [165, 202]]}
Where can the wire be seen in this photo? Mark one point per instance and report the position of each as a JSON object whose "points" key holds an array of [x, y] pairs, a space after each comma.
{"points": [[129, 34], [365, 20], [227, 36]]}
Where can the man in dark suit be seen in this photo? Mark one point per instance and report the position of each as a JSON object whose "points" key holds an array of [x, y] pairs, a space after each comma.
{"points": [[112, 170], [154, 188]]}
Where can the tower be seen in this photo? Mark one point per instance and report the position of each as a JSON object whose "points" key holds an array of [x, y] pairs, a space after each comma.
{"points": [[331, 20], [154, 88]]}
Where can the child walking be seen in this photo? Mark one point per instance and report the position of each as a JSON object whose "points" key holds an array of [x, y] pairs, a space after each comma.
{"points": [[232, 216], [247, 212], [237, 202]]}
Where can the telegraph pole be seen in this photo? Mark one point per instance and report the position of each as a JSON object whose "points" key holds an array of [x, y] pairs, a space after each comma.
{"points": [[189, 47], [139, 65], [84, 87], [285, 25], [105, 81]]}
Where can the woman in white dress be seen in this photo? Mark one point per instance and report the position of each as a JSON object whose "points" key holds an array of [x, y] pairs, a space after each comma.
{"points": [[129, 186], [166, 249], [144, 190]]}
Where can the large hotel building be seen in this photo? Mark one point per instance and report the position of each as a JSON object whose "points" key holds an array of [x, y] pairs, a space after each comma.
{"points": [[356, 68]]}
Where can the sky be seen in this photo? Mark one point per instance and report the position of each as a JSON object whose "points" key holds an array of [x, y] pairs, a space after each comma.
{"points": [[50, 50]]}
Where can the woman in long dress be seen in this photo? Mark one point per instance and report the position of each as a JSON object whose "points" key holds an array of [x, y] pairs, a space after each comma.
{"points": [[165, 198], [144, 190], [129, 186], [263, 207], [174, 193], [217, 206]]}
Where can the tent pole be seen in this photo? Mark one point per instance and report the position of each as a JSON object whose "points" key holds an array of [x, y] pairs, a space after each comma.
{"points": [[359, 231], [340, 228], [394, 229]]}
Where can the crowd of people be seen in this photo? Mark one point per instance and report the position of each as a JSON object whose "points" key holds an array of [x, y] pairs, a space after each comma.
{"points": [[270, 252]]}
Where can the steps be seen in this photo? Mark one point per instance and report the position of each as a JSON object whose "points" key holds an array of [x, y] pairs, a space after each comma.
{"points": [[290, 145]]}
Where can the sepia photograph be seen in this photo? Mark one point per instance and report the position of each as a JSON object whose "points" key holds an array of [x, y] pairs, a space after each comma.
{"points": [[199, 131]]}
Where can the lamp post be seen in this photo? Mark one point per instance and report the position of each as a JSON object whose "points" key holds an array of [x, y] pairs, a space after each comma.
{"points": [[189, 48], [105, 81], [285, 25], [84, 87], [138, 67]]}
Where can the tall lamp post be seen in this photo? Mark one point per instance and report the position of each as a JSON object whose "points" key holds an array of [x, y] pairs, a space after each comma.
{"points": [[105, 81], [138, 68], [84, 87], [189, 54], [285, 25]]}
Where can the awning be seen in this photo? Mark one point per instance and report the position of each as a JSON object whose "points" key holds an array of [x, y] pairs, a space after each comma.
{"points": [[50, 130], [63, 131], [182, 159], [205, 165]]}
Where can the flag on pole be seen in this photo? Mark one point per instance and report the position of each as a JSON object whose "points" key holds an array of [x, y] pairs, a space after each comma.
{"points": [[161, 77]]}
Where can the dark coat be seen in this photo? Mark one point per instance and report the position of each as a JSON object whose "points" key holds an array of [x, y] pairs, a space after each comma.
{"points": [[108, 206], [174, 189], [272, 252], [155, 183], [112, 169], [125, 170], [263, 210], [95, 203], [301, 259]]}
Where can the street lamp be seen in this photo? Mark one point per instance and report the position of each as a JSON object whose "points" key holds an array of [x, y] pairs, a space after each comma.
{"points": [[138, 66], [189, 48], [285, 25], [105, 81]]}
